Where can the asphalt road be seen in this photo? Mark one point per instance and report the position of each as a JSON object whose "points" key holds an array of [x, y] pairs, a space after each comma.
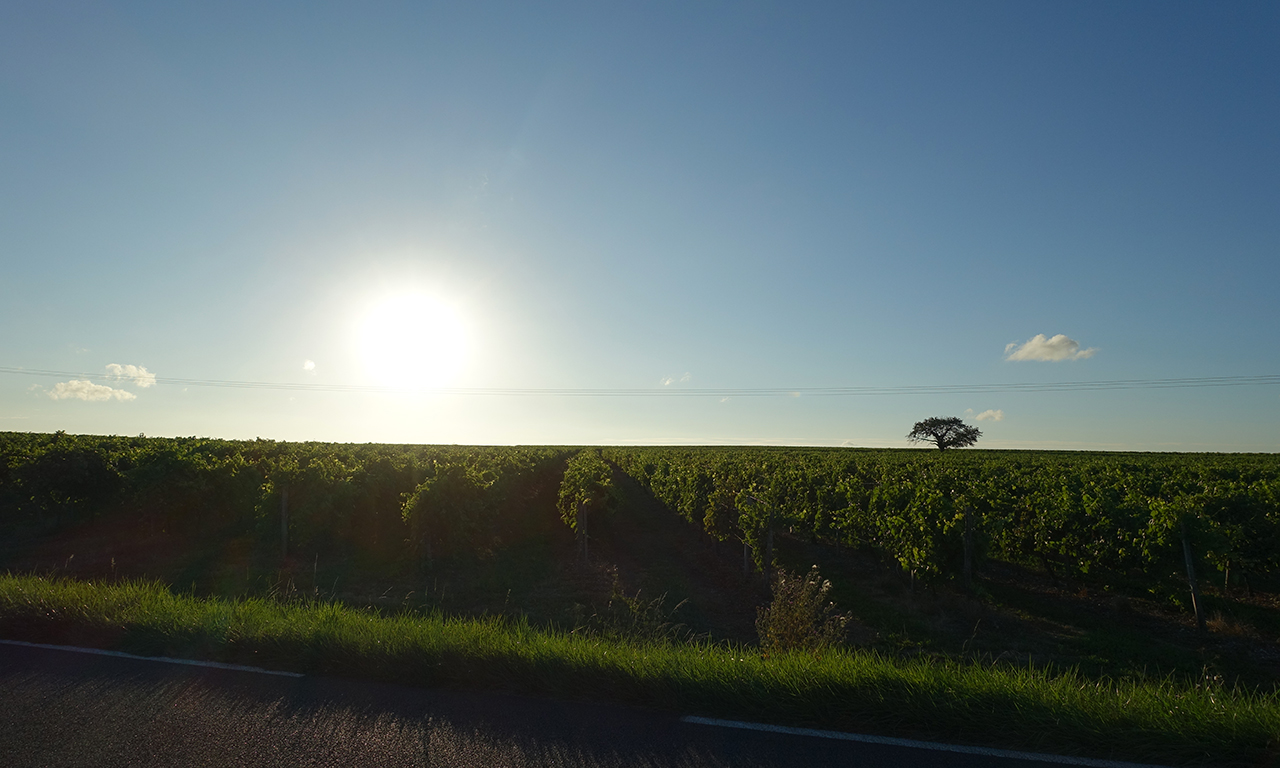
{"points": [[65, 709]]}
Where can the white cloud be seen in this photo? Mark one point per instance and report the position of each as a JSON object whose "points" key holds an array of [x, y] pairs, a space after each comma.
{"points": [[1040, 348], [78, 389], [136, 374], [993, 415], [669, 380], [309, 366]]}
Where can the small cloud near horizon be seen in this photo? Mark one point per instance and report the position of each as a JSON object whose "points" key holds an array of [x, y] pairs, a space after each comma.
{"points": [[136, 374], [669, 380], [991, 414], [1044, 349], [83, 389], [309, 366], [80, 389]]}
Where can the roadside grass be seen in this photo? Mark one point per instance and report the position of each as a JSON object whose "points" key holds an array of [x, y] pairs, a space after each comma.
{"points": [[1170, 721]]}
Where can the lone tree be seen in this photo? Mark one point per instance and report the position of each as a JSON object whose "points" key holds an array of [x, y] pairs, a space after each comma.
{"points": [[944, 432]]}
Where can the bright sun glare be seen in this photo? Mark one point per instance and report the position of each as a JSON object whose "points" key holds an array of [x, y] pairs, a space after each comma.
{"points": [[413, 340]]}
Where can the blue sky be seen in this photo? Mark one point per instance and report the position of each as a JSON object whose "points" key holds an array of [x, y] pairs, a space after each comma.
{"points": [[679, 197]]}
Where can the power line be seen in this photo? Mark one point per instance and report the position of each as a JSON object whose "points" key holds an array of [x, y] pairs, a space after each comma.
{"points": [[936, 389]]}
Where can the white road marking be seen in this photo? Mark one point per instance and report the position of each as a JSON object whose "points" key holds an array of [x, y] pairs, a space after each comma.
{"points": [[165, 659], [984, 751]]}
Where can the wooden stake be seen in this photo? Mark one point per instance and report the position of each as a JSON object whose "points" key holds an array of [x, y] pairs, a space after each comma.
{"points": [[284, 521], [768, 546], [968, 548], [1191, 579]]}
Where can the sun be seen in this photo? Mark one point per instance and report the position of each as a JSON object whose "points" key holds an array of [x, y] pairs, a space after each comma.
{"points": [[413, 341]]}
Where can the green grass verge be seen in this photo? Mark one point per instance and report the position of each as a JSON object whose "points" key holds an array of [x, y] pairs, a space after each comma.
{"points": [[993, 705]]}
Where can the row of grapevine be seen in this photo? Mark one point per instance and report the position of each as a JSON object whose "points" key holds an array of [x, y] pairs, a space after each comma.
{"points": [[1118, 513], [385, 500], [587, 488], [462, 507]]}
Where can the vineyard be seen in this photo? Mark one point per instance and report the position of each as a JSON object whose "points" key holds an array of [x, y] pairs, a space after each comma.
{"points": [[1154, 520], [503, 521], [386, 502], [1117, 517]]}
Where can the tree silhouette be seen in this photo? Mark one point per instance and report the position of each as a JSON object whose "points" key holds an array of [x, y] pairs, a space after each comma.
{"points": [[944, 432]]}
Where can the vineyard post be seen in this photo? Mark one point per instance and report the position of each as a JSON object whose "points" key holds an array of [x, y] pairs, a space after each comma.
{"points": [[1191, 578], [968, 547], [284, 521], [582, 529], [768, 543]]}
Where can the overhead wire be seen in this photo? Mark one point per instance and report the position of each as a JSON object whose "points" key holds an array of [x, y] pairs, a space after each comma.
{"points": [[667, 391]]}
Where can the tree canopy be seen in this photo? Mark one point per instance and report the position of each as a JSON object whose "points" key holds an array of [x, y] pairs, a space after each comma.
{"points": [[944, 432]]}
